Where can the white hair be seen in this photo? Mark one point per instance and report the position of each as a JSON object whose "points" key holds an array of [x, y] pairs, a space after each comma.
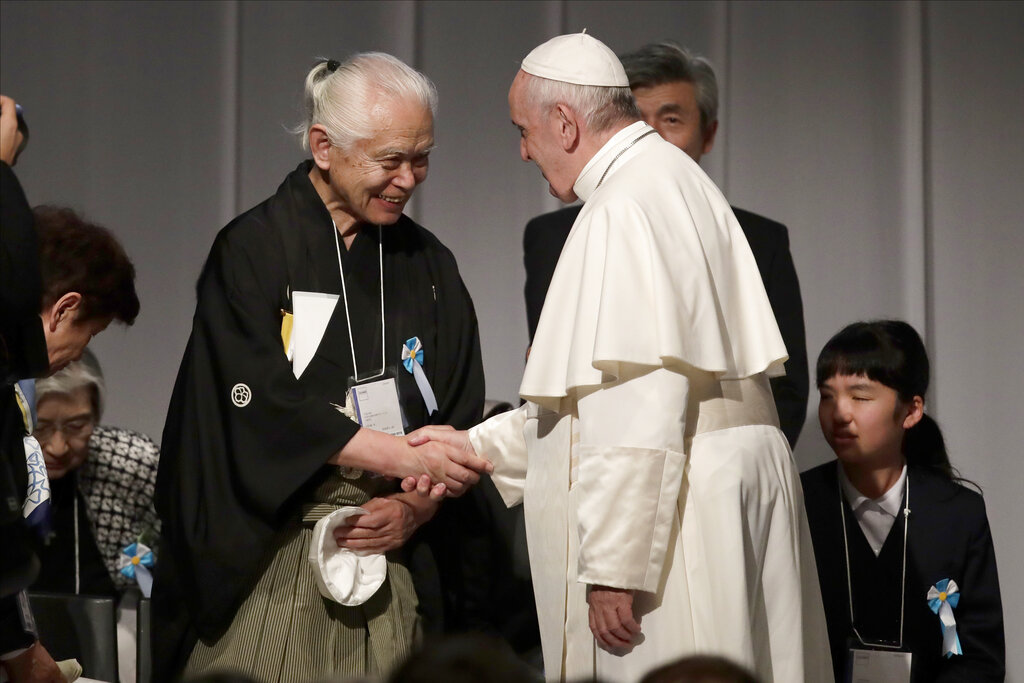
{"points": [[599, 106], [344, 97], [79, 374]]}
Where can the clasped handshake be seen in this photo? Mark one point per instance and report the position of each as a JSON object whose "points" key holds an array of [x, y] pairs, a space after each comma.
{"points": [[433, 461]]}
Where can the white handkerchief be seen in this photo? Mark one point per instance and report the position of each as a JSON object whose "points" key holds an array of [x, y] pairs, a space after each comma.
{"points": [[341, 574], [312, 311]]}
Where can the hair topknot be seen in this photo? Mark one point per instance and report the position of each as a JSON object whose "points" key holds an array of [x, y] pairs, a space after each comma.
{"points": [[340, 96]]}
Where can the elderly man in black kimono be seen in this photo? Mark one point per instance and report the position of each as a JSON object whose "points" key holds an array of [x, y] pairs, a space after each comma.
{"points": [[253, 455]]}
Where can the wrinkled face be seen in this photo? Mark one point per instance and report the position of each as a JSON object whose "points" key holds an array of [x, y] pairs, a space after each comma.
{"points": [[538, 141], [671, 109], [67, 342], [863, 420], [65, 424], [375, 178]]}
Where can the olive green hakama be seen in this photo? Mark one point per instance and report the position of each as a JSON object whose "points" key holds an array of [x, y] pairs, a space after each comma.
{"points": [[286, 631]]}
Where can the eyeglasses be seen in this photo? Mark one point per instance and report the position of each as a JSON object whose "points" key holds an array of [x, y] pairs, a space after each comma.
{"points": [[72, 429]]}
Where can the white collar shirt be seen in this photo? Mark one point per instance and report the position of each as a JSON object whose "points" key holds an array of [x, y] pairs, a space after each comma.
{"points": [[875, 515]]}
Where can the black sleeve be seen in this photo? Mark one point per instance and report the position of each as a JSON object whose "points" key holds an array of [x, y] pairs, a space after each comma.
{"points": [[15, 633], [19, 257], [22, 345], [22, 354], [236, 343], [979, 614], [242, 434]]}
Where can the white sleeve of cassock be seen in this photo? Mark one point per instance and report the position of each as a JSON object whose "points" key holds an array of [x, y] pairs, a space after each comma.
{"points": [[630, 473], [501, 440]]}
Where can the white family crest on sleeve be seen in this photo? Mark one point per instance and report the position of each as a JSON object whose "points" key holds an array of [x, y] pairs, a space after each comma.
{"points": [[241, 394]]}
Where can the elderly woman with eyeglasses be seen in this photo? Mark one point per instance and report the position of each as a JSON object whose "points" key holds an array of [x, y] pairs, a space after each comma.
{"points": [[101, 481]]}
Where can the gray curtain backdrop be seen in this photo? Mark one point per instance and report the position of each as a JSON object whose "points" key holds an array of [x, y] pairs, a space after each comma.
{"points": [[887, 136]]}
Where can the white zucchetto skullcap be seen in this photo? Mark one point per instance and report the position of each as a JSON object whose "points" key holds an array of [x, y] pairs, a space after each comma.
{"points": [[577, 58]]}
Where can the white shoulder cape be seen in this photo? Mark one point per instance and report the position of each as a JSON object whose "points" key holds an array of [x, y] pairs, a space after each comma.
{"points": [[655, 272]]}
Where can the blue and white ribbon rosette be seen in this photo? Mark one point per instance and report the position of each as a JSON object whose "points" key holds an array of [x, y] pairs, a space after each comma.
{"points": [[942, 598], [412, 359], [136, 562], [36, 508]]}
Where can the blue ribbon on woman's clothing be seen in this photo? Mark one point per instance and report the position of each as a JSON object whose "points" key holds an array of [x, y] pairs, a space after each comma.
{"points": [[942, 598], [136, 562]]}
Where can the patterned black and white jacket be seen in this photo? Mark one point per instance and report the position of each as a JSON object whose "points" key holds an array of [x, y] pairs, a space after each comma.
{"points": [[116, 483]]}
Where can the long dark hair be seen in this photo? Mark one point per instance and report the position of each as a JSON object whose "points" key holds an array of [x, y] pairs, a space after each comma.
{"points": [[891, 353]]}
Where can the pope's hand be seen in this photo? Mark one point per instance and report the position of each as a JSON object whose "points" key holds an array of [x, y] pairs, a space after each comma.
{"points": [[611, 617], [451, 438], [412, 458], [443, 450]]}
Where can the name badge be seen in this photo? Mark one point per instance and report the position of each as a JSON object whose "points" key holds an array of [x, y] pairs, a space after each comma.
{"points": [[376, 406], [877, 666]]}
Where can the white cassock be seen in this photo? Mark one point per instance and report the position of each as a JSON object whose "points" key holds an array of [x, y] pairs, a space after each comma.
{"points": [[648, 454]]}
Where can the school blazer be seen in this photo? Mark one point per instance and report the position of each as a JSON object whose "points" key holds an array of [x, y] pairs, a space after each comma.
{"points": [[948, 537]]}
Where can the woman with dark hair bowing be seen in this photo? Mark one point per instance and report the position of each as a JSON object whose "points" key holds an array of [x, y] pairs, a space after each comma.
{"points": [[904, 553]]}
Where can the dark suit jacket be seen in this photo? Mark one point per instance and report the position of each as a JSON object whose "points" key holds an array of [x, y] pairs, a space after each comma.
{"points": [[545, 235], [947, 538]]}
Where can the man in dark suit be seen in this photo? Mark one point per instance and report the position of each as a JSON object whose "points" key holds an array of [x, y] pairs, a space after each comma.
{"points": [[678, 95]]}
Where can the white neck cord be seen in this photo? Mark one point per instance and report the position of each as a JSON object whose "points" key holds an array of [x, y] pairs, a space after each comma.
{"points": [[344, 294], [903, 583], [77, 569]]}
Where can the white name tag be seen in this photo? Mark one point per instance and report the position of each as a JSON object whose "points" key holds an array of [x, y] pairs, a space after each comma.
{"points": [[376, 406], [879, 666]]}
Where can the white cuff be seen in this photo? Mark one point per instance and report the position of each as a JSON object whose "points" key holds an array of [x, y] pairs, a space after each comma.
{"points": [[341, 574], [501, 440]]}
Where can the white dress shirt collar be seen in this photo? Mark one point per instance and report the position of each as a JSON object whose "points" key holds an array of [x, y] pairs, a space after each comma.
{"points": [[875, 515]]}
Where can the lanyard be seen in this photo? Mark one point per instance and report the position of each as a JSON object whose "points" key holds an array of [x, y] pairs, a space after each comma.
{"points": [[78, 571], [344, 295], [903, 582]]}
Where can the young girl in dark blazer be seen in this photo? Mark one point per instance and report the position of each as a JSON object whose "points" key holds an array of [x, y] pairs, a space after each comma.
{"points": [[900, 543]]}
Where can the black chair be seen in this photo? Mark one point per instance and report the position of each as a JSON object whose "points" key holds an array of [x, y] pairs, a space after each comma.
{"points": [[79, 627], [143, 659]]}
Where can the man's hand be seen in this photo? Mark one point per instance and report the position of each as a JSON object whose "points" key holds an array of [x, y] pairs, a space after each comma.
{"points": [[464, 467], [34, 665], [459, 450], [611, 617], [10, 136], [424, 488], [388, 524], [401, 457]]}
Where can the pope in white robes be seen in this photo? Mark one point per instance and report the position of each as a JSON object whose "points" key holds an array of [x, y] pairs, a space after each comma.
{"points": [[663, 508]]}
